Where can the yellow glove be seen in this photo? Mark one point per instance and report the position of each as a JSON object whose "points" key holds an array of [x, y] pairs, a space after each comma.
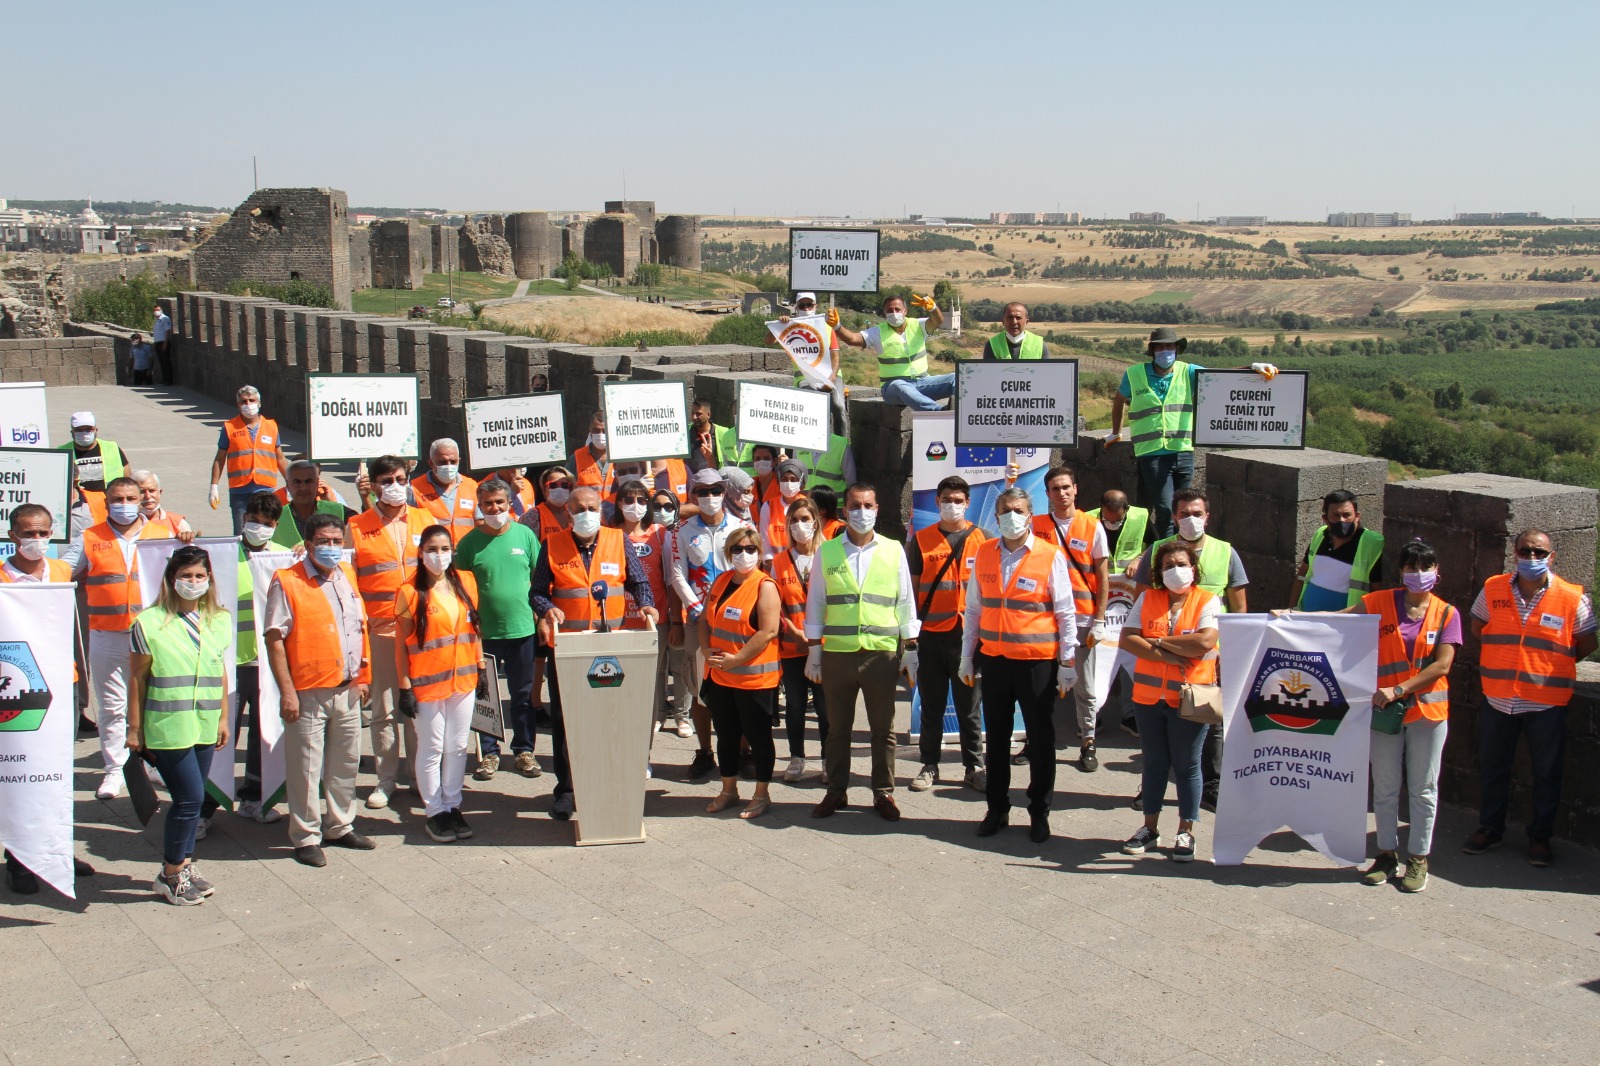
{"points": [[833, 317], [924, 302]]}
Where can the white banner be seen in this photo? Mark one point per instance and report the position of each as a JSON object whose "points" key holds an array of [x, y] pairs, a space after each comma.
{"points": [[833, 260], [646, 420], [361, 416], [38, 721], [24, 421], [507, 431], [1107, 657], [1017, 402], [795, 419], [224, 553], [28, 475], [1237, 409], [273, 769], [1297, 712], [806, 339]]}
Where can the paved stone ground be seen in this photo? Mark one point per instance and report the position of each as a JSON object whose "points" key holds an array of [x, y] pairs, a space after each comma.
{"points": [[785, 941]]}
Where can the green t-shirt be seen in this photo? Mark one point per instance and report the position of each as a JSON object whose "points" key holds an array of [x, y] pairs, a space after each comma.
{"points": [[503, 566]]}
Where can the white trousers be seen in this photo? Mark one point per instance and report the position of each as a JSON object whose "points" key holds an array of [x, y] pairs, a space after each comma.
{"points": [[444, 732], [1419, 749], [108, 674]]}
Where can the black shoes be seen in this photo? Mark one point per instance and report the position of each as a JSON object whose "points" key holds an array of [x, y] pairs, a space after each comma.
{"points": [[19, 878], [353, 840], [1088, 760], [463, 830], [441, 828], [1039, 829], [993, 822], [1482, 840], [310, 855], [703, 766]]}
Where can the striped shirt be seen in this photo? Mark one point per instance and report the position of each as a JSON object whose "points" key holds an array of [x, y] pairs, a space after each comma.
{"points": [[1583, 623]]}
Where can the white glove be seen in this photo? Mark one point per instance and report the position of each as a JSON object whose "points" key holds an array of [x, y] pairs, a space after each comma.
{"points": [[908, 666], [1013, 471], [1066, 677], [1112, 439], [1097, 631], [214, 498], [967, 672], [814, 664], [1266, 370]]}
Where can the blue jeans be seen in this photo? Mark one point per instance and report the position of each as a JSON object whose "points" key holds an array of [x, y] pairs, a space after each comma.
{"points": [[515, 655], [184, 771], [1546, 731], [920, 394], [1170, 744], [1160, 475], [237, 498]]}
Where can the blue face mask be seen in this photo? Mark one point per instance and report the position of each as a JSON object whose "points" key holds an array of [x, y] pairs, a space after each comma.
{"points": [[123, 513], [327, 556], [1533, 569], [1165, 358]]}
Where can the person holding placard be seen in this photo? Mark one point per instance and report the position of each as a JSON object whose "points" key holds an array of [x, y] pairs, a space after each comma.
{"points": [[250, 448], [1020, 635], [805, 303], [1344, 560], [788, 483], [901, 345], [438, 655], [1016, 340], [304, 501], [178, 687], [445, 492], [159, 522], [591, 463], [1127, 529]]}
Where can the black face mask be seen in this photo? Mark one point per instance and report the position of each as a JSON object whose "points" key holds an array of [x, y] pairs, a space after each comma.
{"points": [[1342, 529]]}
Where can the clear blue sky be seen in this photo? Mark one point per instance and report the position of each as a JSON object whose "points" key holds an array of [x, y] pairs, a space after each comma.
{"points": [[861, 108]]}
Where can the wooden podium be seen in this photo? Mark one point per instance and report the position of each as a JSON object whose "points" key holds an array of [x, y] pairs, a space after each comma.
{"points": [[608, 696]]}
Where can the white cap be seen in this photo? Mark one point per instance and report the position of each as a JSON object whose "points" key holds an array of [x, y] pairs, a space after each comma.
{"points": [[805, 296], [82, 419]]}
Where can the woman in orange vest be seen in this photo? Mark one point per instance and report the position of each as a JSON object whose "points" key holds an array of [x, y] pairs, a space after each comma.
{"points": [[1172, 631], [827, 502], [439, 658], [550, 516], [740, 628], [789, 483], [791, 569]]}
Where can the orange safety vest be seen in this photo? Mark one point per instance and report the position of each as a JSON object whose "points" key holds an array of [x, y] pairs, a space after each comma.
{"points": [[586, 471], [1079, 547], [97, 505], [163, 528], [792, 594], [382, 566], [55, 570], [832, 528], [649, 546], [570, 587], [252, 461], [733, 623], [777, 531], [1536, 661], [325, 493], [949, 601], [1018, 620], [458, 520], [112, 587], [1157, 683], [677, 479], [444, 662], [1394, 666], [549, 524], [316, 658]]}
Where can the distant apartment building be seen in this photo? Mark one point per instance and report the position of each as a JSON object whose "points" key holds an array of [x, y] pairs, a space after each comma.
{"points": [[1147, 216], [1368, 219], [1480, 217], [1240, 220], [1035, 218]]}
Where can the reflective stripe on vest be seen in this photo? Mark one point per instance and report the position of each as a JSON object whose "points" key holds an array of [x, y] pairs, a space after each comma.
{"points": [[444, 662], [252, 460], [861, 618], [792, 594], [313, 646], [1017, 620], [382, 567], [827, 468], [458, 519], [586, 470], [729, 453], [1079, 550], [1394, 668], [1160, 425], [1216, 560], [1130, 539], [732, 623], [571, 580], [1369, 550], [185, 679], [111, 585], [1530, 661], [1157, 683], [1032, 346], [949, 602], [904, 355]]}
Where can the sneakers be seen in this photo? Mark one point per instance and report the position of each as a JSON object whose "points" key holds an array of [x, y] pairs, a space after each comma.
{"points": [[562, 808], [977, 778], [703, 766], [1416, 878], [925, 780], [177, 889], [201, 885], [377, 799], [488, 766], [441, 828], [202, 827], [685, 728], [463, 830], [1208, 797], [528, 765], [1382, 870], [111, 785], [1183, 848], [797, 769], [1539, 852], [1144, 840], [1088, 761], [1482, 840], [253, 810]]}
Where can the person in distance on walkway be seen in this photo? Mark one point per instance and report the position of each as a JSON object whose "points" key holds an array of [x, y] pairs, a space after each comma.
{"points": [[141, 361], [250, 449], [791, 569], [159, 522], [901, 345], [446, 493], [1535, 628], [1344, 560], [161, 334]]}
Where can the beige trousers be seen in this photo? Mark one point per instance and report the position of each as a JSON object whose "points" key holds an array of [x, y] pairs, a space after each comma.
{"points": [[322, 749]]}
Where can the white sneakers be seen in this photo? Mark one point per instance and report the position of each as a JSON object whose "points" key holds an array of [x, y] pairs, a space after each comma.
{"points": [[377, 799], [252, 809], [925, 779], [111, 785], [685, 728], [795, 771]]}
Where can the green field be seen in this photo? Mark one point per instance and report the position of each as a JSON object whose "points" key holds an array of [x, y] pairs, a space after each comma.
{"points": [[468, 287], [1166, 296], [1522, 375]]}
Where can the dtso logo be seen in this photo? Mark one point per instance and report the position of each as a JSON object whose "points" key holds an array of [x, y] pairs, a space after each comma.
{"points": [[25, 435], [937, 451], [24, 697], [605, 672], [1296, 691]]}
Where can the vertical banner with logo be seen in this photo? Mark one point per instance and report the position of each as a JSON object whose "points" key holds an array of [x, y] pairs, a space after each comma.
{"points": [[806, 339], [1297, 714], [37, 728], [274, 769], [24, 421]]}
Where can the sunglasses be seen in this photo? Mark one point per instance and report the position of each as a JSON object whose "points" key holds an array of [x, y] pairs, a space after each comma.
{"points": [[634, 499], [557, 485], [397, 480], [1533, 553], [708, 492], [745, 549]]}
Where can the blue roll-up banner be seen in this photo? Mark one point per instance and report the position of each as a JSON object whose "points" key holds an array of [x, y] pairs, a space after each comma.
{"points": [[934, 457]]}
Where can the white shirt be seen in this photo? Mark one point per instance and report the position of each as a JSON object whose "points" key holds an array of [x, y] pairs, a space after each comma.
{"points": [[858, 557], [1061, 603], [1209, 614], [127, 540]]}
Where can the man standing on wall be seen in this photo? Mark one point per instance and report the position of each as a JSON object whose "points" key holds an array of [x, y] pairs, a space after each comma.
{"points": [[1016, 341], [250, 448], [161, 336]]}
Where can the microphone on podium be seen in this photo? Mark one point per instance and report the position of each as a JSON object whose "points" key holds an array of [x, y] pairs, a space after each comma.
{"points": [[598, 590]]}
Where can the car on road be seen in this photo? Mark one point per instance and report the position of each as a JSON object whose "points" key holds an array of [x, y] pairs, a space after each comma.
{"points": [[447, 303]]}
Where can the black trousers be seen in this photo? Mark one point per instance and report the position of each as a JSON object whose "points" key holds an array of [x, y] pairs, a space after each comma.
{"points": [[1005, 683], [742, 714], [558, 731], [938, 681], [164, 355], [795, 687]]}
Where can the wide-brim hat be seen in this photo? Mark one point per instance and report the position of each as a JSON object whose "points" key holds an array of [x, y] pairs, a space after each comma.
{"points": [[1166, 335]]}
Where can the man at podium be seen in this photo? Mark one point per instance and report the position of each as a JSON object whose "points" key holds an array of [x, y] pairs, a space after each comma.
{"points": [[578, 585]]}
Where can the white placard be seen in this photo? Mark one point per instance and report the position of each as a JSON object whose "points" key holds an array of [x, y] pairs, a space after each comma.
{"points": [[1238, 409], [488, 711], [507, 431], [646, 420], [28, 475], [794, 419], [24, 421], [1011, 403], [833, 260], [808, 340], [360, 416]]}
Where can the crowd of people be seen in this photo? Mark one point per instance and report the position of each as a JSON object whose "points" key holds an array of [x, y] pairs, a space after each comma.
{"points": [[779, 601]]}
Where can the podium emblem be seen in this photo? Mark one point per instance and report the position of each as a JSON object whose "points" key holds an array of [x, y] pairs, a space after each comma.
{"points": [[605, 672], [24, 696]]}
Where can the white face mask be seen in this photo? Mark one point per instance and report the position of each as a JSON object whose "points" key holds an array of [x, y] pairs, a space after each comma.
{"points": [[763, 467], [1178, 578], [1013, 524], [191, 590], [710, 505], [1109, 524], [1192, 528], [744, 562], [249, 410], [1015, 338], [557, 497], [788, 489], [32, 548], [634, 512], [895, 318], [862, 519], [437, 561], [446, 473], [586, 523], [802, 530], [83, 437], [393, 495], [950, 511], [597, 441], [497, 521], [258, 533]]}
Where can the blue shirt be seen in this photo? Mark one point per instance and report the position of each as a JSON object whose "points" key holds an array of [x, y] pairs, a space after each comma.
{"points": [[143, 356], [162, 327], [1158, 384]]}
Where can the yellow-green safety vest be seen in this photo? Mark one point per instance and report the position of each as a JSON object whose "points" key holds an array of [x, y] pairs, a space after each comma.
{"points": [[1215, 562], [728, 451], [862, 618], [1032, 346], [1130, 540], [183, 694], [287, 535], [827, 468], [245, 617], [1160, 425], [110, 457], [904, 355], [1369, 549]]}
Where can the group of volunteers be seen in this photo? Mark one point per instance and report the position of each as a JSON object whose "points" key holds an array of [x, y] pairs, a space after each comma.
{"points": [[776, 594]]}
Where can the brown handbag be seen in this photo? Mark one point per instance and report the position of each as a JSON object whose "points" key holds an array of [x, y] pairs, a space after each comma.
{"points": [[1201, 703]]}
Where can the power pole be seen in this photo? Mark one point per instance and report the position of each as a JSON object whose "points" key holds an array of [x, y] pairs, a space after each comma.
{"points": [[255, 174]]}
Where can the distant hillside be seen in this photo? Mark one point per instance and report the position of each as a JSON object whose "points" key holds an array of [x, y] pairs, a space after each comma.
{"points": [[108, 207]]}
